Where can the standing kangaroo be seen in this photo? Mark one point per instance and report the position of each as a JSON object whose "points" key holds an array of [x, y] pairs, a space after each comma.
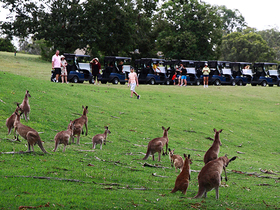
{"points": [[25, 106], [214, 150], [28, 134], [157, 144], [210, 176], [100, 138], [79, 123], [182, 181], [10, 121], [176, 160], [62, 137]]}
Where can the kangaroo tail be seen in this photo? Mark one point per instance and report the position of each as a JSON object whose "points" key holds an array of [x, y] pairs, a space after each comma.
{"points": [[39, 142], [147, 155], [200, 193]]}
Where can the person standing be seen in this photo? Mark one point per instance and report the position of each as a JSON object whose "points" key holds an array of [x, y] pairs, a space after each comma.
{"points": [[56, 65], [95, 67], [63, 69], [184, 75], [133, 81], [206, 72]]}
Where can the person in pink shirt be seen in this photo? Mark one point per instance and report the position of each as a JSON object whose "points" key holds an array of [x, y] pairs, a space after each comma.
{"points": [[56, 64], [133, 81]]}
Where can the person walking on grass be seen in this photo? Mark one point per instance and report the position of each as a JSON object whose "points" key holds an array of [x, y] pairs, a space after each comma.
{"points": [[206, 72], [133, 81]]}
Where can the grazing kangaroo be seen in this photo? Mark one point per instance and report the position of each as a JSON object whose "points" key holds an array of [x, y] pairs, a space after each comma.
{"points": [[182, 181], [28, 134], [25, 105], [176, 160], [62, 137], [210, 176], [10, 121], [100, 138], [157, 144], [214, 150], [79, 123]]}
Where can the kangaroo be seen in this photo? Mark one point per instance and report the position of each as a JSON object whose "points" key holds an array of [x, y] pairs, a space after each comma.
{"points": [[10, 121], [182, 181], [28, 134], [100, 138], [176, 160], [79, 123], [62, 137], [214, 150], [25, 105], [210, 176], [157, 144]]}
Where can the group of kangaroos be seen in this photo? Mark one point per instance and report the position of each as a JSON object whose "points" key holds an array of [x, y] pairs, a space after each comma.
{"points": [[208, 178]]}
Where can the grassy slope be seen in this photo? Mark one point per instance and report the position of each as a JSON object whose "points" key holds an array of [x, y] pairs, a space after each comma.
{"points": [[248, 116]]}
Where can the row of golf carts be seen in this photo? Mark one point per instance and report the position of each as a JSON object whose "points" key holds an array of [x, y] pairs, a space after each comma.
{"points": [[222, 72]]}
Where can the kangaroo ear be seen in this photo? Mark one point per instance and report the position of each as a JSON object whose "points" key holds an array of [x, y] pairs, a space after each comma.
{"points": [[185, 155], [169, 149], [18, 104], [189, 156], [220, 131], [86, 107], [83, 106], [168, 128], [232, 159], [163, 128], [214, 130]]}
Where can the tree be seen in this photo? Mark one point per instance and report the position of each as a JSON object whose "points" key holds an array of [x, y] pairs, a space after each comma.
{"points": [[58, 22], [6, 45], [188, 29], [272, 37], [246, 46], [232, 20]]}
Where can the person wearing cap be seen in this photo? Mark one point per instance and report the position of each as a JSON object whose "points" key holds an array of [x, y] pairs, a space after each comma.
{"points": [[56, 65], [206, 72], [95, 67], [63, 69]]}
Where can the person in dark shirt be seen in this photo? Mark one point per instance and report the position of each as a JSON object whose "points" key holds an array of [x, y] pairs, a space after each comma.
{"points": [[183, 75]]}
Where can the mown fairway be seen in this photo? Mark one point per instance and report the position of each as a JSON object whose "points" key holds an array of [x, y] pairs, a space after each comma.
{"points": [[114, 177]]}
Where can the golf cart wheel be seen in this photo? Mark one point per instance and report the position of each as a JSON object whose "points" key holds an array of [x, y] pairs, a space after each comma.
{"points": [[152, 81], [75, 79], [240, 83], [233, 83], [167, 82], [91, 81], [197, 82], [217, 82], [115, 81], [264, 83]]}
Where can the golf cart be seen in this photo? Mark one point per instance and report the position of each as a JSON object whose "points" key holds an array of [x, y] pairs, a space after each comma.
{"points": [[241, 72], [220, 73], [261, 74], [78, 69], [112, 72], [192, 78], [148, 76]]}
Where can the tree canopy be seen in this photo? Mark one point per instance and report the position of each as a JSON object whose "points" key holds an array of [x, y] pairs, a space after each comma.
{"points": [[182, 29]]}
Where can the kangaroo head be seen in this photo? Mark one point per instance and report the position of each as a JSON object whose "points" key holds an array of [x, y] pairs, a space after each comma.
{"points": [[171, 152], [18, 115], [107, 130], [27, 94], [18, 109], [217, 135], [85, 110], [227, 161], [165, 131], [188, 159]]}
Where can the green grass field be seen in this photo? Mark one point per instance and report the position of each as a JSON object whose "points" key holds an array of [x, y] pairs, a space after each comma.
{"points": [[114, 177]]}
